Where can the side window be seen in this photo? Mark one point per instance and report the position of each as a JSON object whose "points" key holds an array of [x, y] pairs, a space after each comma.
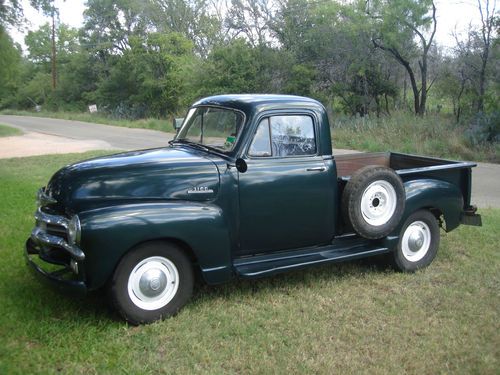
{"points": [[284, 136], [261, 144], [292, 135]]}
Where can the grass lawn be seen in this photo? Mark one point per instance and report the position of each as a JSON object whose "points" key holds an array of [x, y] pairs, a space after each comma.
{"points": [[7, 131], [338, 319]]}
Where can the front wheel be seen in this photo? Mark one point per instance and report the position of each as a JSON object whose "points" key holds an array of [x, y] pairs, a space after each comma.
{"points": [[418, 242], [153, 281]]}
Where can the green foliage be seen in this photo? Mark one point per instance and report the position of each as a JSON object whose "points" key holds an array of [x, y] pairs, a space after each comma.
{"points": [[11, 13], [137, 59], [484, 128], [38, 89], [10, 60], [335, 42], [300, 80], [434, 135], [231, 68], [148, 79]]}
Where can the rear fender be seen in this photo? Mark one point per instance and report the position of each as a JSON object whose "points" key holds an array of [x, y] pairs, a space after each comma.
{"points": [[108, 233], [436, 194]]}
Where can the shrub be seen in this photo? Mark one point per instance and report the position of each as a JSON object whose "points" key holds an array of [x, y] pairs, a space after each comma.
{"points": [[484, 128]]}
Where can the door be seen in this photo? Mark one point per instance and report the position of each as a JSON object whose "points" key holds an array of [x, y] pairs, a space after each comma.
{"points": [[286, 194]]}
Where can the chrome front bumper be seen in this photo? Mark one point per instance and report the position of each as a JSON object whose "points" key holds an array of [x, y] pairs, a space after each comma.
{"points": [[41, 237], [51, 256], [58, 278]]}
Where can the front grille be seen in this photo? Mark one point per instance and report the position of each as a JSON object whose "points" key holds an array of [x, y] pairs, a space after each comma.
{"points": [[53, 254], [50, 228], [57, 230]]}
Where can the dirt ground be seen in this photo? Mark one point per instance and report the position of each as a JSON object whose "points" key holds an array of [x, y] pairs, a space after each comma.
{"points": [[30, 144]]}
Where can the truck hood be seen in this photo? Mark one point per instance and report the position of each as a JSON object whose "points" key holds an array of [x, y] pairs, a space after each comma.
{"points": [[149, 175]]}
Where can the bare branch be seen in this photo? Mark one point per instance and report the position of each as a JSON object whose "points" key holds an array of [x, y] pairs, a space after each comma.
{"points": [[432, 82], [434, 20]]}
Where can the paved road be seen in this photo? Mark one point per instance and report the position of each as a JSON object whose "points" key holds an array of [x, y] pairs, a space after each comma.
{"points": [[118, 137], [486, 177]]}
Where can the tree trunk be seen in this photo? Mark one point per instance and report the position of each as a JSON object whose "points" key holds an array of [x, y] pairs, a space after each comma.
{"points": [[482, 81], [459, 97], [423, 87], [414, 87], [405, 100]]}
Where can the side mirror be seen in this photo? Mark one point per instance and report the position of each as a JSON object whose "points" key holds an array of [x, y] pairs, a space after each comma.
{"points": [[241, 165], [177, 123]]}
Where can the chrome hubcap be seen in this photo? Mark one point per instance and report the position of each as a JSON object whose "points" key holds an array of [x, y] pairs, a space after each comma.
{"points": [[416, 241], [378, 203], [153, 283]]}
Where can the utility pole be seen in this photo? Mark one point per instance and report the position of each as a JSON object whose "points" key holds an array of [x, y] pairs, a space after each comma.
{"points": [[54, 75]]}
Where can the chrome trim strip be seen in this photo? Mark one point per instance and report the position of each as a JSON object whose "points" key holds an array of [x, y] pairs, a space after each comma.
{"points": [[207, 191], [51, 219], [41, 237], [430, 168], [315, 169]]}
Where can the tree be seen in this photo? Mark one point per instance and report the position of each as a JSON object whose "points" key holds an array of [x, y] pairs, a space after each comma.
{"points": [[332, 48], [455, 84], [39, 44], [192, 19], [10, 59], [146, 79], [487, 28], [396, 26], [11, 13], [38, 65], [251, 20], [472, 55], [231, 68]]}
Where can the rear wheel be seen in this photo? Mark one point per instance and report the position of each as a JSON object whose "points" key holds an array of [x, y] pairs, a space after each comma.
{"points": [[153, 281], [418, 242]]}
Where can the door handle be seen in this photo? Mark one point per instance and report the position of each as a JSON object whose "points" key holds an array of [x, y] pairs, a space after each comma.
{"points": [[316, 169]]}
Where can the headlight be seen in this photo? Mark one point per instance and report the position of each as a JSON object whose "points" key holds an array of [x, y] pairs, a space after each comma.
{"points": [[74, 230]]}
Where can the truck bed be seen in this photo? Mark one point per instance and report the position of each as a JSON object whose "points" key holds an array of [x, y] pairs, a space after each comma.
{"points": [[401, 163], [409, 167]]}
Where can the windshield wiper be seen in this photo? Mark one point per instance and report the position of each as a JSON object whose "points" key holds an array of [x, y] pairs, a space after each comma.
{"points": [[190, 143], [197, 145], [174, 141]]}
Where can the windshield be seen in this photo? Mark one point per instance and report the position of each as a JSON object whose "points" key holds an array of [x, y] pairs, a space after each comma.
{"points": [[212, 127]]}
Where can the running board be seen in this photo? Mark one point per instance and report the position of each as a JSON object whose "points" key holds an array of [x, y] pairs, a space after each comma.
{"points": [[341, 250]]}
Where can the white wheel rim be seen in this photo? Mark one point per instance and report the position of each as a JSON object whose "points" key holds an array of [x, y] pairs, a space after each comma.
{"points": [[416, 241], [153, 283], [378, 203]]}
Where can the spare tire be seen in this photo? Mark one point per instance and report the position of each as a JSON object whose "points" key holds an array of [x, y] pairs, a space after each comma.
{"points": [[373, 201]]}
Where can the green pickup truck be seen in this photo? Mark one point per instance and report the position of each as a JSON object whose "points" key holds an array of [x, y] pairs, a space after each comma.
{"points": [[248, 188]]}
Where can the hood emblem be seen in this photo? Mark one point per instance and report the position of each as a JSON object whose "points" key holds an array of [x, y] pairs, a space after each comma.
{"points": [[200, 190]]}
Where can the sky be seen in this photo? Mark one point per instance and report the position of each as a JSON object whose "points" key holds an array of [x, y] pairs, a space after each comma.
{"points": [[451, 15]]}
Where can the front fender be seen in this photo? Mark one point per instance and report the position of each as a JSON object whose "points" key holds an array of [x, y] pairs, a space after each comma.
{"points": [[432, 193], [109, 232]]}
